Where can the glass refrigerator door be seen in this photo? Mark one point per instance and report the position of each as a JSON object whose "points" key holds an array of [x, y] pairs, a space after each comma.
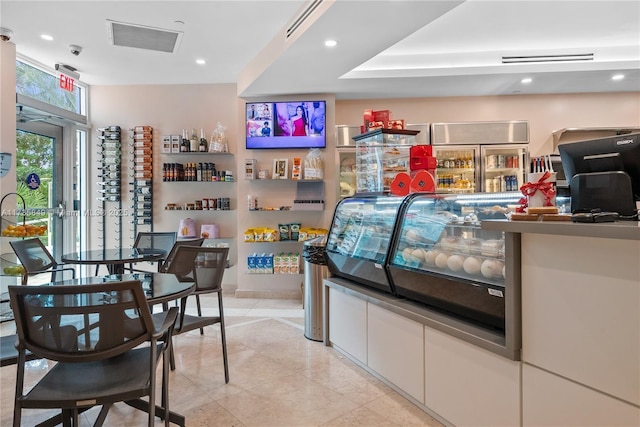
{"points": [[457, 171], [503, 167]]}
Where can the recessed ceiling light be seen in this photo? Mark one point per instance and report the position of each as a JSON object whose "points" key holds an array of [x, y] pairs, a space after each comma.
{"points": [[526, 80], [200, 61], [330, 43], [46, 37], [617, 77]]}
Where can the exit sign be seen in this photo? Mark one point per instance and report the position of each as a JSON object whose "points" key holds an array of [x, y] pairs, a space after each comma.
{"points": [[67, 83]]}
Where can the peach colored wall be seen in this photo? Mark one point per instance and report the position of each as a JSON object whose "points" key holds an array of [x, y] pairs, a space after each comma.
{"points": [[545, 113], [168, 109]]}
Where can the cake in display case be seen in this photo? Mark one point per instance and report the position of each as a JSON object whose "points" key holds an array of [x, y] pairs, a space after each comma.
{"points": [[359, 237]]}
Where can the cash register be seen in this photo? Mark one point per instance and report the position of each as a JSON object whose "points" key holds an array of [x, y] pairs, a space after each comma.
{"points": [[604, 175]]}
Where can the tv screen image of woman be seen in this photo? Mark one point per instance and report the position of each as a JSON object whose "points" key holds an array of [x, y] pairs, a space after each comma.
{"points": [[294, 124]]}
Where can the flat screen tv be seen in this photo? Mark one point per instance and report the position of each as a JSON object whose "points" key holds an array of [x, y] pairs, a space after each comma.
{"points": [[291, 124]]}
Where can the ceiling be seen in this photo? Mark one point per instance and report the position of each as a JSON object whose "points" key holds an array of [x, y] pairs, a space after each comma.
{"points": [[386, 49]]}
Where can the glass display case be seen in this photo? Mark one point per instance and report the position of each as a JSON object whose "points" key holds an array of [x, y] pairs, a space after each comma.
{"points": [[441, 256], [359, 237], [380, 155], [431, 248]]}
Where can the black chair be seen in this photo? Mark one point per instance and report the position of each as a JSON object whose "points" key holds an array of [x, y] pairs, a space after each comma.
{"points": [[205, 266], [153, 241], [36, 259], [117, 364], [167, 261]]}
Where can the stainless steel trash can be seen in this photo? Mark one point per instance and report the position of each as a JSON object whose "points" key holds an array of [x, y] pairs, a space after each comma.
{"points": [[315, 270]]}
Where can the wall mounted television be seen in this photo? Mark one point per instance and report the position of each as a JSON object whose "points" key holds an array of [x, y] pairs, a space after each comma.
{"points": [[290, 124]]}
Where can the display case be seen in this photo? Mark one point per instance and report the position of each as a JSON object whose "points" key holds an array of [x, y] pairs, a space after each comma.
{"points": [[441, 256], [380, 155], [359, 237]]}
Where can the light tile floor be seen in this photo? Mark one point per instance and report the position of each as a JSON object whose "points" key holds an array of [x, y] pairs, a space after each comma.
{"points": [[277, 378]]}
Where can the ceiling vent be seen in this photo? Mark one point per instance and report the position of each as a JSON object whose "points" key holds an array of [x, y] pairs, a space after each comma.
{"points": [[303, 17], [142, 37], [547, 58]]}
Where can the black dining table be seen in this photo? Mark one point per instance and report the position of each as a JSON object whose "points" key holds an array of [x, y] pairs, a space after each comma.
{"points": [[114, 259]]}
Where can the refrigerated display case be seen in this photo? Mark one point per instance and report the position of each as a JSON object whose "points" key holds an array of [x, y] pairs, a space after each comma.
{"points": [[480, 156], [380, 155], [359, 237], [430, 248], [440, 255]]}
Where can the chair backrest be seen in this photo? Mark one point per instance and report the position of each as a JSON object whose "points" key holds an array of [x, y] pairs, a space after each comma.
{"points": [[33, 255], [156, 240], [167, 261], [49, 319], [207, 263]]}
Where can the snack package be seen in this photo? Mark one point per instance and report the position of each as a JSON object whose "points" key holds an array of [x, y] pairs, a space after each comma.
{"points": [[313, 165]]}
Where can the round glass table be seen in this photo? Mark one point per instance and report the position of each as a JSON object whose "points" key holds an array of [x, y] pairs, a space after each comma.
{"points": [[114, 259]]}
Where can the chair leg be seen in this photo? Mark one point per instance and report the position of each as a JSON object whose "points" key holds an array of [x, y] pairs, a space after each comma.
{"points": [[97, 269], [199, 311], [224, 339]]}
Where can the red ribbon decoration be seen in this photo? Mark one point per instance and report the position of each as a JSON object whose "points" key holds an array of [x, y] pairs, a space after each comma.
{"points": [[530, 188]]}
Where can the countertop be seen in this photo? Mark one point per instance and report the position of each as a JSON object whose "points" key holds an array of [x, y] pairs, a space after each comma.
{"points": [[626, 230]]}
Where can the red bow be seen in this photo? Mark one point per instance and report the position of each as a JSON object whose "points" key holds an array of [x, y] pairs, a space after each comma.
{"points": [[530, 188]]}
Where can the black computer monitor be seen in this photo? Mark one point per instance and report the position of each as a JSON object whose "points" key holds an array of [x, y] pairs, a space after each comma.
{"points": [[600, 168]]}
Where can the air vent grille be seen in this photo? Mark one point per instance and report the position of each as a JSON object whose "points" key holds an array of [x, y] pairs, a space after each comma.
{"points": [[142, 37], [547, 58], [303, 17]]}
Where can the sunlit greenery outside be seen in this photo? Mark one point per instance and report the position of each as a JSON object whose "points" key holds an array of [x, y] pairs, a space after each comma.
{"points": [[45, 87]]}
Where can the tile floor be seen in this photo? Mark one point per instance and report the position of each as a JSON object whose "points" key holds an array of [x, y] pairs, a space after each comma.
{"points": [[277, 378]]}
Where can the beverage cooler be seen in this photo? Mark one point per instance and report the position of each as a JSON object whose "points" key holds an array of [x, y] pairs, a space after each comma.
{"points": [[359, 237], [480, 156]]}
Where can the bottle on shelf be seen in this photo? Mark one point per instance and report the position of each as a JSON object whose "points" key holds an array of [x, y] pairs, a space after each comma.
{"points": [[184, 146], [142, 221], [109, 190], [193, 142], [141, 190], [199, 172], [203, 142]]}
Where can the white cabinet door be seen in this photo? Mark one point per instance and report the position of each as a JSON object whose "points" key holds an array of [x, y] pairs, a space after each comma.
{"points": [[469, 386], [395, 348], [348, 324], [548, 400]]}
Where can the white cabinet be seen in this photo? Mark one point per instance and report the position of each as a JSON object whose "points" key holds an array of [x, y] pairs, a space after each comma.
{"points": [[548, 400], [348, 324], [581, 313], [468, 385], [395, 350]]}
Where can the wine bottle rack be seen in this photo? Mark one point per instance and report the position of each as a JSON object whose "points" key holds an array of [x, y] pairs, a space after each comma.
{"points": [[142, 183], [109, 180]]}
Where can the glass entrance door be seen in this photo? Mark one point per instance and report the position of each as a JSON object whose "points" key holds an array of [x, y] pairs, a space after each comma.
{"points": [[40, 177]]}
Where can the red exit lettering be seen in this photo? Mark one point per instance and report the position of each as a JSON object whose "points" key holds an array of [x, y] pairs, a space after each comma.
{"points": [[67, 83]]}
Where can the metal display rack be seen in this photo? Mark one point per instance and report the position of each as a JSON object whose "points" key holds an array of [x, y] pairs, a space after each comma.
{"points": [[110, 179], [142, 183]]}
